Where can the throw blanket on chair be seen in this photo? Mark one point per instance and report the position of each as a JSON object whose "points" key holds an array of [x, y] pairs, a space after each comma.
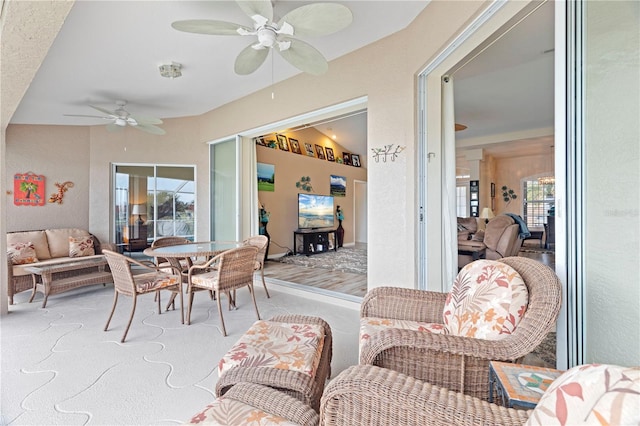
{"points": [[524, 230]]}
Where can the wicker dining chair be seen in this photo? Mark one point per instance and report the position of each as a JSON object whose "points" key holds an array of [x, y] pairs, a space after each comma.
{"points": [[128, 284], [228, 271], [453, 361], [259, 241]]}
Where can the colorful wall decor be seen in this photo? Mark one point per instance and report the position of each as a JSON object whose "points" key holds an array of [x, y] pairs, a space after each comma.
{"points": [[28, 189], [338, 186], [266, 177], [56, 197]]}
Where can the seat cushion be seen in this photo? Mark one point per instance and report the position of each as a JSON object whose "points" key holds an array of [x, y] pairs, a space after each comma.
{"points": [[273, 344], [154, 281], [369, 326], [205, 280], [487, 301], [591, 394], [229, 412]]}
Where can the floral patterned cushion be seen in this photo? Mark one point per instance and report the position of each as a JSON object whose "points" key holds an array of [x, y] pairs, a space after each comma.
{"points": [[591, 394], [22, 253], [82, 246], [229, 412], [272, 344], [487, 301], [370, 325], [155, 281]]}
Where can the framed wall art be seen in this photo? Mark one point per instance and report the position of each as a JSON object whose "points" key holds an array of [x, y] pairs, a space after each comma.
{"points": [[309, 149], [355, 160], [330, 156], [346, 158], [28, 189], [320, 152], [266, 177], [295, 146], [282, 142]]}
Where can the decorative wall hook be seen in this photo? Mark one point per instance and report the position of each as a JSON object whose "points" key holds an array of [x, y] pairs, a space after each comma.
{"points": [[387, 152], [56, 197]]}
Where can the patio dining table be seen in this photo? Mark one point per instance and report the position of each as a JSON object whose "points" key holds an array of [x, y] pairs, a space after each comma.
{"points": [[197, 249]]}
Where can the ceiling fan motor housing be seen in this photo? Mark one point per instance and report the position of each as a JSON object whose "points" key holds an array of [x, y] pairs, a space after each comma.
{"points": [[267, 36]]}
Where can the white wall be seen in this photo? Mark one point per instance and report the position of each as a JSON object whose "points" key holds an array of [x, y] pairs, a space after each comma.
{"points": [[612, 199]]}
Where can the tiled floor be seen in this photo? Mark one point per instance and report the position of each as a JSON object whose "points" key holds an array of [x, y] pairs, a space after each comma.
{"points": [[59, 367]]}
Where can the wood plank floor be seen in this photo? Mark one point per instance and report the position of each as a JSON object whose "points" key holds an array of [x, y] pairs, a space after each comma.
{"points": [[340, 283]]}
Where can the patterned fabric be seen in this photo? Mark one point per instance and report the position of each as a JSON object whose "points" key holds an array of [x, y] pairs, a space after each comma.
{"points": [[591, 394], [22, 253], [208, 279], [82, 246], [271, 344], [371, 325], [487, 301], [229, 412], [155, 281]]}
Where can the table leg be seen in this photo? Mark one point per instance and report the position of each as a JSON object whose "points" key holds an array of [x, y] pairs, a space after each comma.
{"points": [[34, 278]]}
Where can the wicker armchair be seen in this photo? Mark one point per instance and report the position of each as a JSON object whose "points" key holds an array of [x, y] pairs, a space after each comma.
{"points": [[369, 395], [454, 362], [259, 241], [229, 271], [151, 281]]}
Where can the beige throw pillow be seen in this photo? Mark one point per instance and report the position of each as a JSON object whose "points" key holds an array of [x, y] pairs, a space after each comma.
{"points": [[79, 247], [22, 253]]}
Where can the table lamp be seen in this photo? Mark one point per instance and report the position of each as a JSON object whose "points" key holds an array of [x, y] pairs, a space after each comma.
{"points": [[487, 214], [139, 209]]}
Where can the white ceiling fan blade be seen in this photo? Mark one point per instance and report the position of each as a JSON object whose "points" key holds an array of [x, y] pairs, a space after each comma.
{"points": [[142, 119], [318, 19], [112, 114], [205, 26], [250, 60], [150, 128], [88, 116], [305, 57], [261, 11]]}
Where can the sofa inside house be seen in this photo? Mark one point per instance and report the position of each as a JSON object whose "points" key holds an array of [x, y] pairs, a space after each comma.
{"points": [[48, 247], [500, 238]]}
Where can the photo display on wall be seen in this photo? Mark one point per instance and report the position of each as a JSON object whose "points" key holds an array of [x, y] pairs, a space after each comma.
{"points": [[320, 152], [346, 158], [295, 146], [338, 186], [266, 177], [330, 156]]}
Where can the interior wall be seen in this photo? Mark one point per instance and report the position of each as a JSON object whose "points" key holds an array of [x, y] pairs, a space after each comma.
{"points": [[60, 153], [509, 172], [282, 203]]}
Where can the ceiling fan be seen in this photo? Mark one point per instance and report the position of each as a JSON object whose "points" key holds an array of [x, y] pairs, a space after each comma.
{"points": [[120, 118], [315, 19]]}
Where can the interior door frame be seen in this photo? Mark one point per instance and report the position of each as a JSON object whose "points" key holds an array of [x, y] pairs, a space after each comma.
{"points": [[360, 223]]}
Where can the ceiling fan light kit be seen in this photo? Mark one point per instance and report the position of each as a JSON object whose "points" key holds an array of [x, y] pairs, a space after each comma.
{"points": [[121, 118], [315, 19]]}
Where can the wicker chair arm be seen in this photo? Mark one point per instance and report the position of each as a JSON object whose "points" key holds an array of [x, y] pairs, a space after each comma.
{"points": [[403, 303], [9, 270], [420, 342], [371, 395], [274, 402]]}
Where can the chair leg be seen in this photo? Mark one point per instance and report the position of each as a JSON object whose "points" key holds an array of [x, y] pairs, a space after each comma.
{"points": [[190, 294], [224, 330], [181, 303], [253, 296], [264, 284], [113, 309], [158, 296], [133, 311]]}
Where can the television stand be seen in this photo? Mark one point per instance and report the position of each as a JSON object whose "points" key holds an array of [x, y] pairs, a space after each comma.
{"points": [[314, 241]]}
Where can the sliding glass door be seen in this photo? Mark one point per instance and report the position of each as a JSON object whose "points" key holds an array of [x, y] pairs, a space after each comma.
{"points": [[152, 201]]}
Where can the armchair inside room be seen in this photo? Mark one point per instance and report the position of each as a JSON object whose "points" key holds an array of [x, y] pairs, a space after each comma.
{"points": [[369, 395], [448, 339], [501, 238]]}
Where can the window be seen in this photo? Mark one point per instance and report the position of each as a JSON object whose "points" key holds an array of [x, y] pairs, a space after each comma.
{"points": [[461, 201], [539, 198], [154, 201]]}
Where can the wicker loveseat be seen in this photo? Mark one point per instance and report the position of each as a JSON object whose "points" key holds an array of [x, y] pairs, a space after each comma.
{"points": [[52, 246]]}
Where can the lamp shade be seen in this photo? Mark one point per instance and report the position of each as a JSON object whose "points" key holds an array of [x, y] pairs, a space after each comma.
{"points": [[487, 213], [139, 209]]}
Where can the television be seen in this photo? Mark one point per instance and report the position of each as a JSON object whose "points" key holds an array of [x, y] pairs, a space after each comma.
{"points": [[315, 211]]}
